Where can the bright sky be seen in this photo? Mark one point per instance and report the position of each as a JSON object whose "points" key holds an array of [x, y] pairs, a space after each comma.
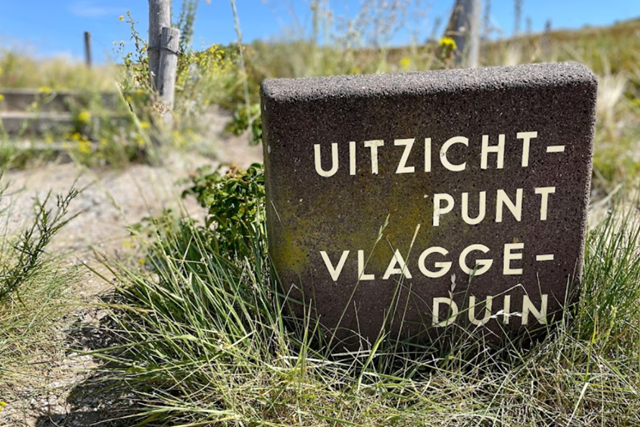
{"points": [[49, 28]]}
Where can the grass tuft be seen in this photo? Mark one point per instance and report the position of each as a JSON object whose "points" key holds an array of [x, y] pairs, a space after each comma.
{"points": [[204, 339], [33, 295]]}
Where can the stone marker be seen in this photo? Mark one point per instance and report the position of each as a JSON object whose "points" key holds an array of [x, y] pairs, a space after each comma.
{"points": [[430, 202]]}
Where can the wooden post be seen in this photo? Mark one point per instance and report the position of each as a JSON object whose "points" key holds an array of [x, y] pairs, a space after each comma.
{"points": [[167, 71], [464, 29], [87, 48], [159, 17], [545, 41]]}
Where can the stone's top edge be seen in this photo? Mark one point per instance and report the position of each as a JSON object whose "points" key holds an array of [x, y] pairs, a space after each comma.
{"points": [[440, 81]]}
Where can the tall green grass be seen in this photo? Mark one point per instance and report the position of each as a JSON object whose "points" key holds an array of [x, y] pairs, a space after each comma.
{"points": [[204, 339], [33, 291]]}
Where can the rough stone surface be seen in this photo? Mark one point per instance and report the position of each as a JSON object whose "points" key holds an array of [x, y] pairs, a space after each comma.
{"points": [[388, 204]]}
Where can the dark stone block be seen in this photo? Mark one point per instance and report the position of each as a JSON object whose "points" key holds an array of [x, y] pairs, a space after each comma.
{"points": [[395, 201]]}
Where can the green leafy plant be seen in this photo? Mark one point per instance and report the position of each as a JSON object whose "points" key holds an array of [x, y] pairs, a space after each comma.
{"points": [[136, 63], [242, 119], [29, 251], [234, 200], [185, 23]]}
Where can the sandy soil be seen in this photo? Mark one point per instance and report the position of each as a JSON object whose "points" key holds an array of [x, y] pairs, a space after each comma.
{"points": [[109, 201]]}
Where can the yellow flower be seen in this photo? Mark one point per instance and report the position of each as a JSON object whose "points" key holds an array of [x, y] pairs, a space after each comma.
{"points": [[404, 63], [121, 18], [178, 138], [1, 97], [145, 125], [84, 117], [45, 90], [140, 141], [76, 136], [84, 147], [2, 405], [448, 43], [141, 261], [48, 139], [1, 70]]}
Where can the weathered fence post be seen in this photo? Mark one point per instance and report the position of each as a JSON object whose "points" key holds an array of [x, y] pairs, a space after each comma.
{"points": [[167, 70], [545, 41], [87, 48], [464, 29], [164, 43], [159, 17]]}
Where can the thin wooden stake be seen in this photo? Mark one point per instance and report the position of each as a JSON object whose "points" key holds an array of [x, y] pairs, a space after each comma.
{"points": [[168, 69], [159, 17], [87, 48], [464, 29]]}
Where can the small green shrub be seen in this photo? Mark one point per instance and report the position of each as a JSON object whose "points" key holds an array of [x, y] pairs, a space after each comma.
{"points": [[28, 253], [241, 120], [234, 200]]}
